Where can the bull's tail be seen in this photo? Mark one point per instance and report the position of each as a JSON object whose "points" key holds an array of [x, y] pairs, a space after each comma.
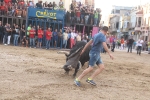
{"points": [[63, 52]]}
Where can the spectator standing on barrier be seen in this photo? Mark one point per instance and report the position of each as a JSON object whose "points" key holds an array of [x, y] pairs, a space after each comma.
{"points": [[48, 38], [54, 5], [95, 17], [50, 5], [32, 37], [82, 14], [55, 37], [40, 36], [31, 4], [39, 4], [72, 16], [92, 16], [78, 14], [61, 4], [65, 38], [86, 15]]}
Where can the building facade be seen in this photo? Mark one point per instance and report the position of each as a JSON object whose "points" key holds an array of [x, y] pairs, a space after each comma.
{"points": [[119, 21], [146, 22]]}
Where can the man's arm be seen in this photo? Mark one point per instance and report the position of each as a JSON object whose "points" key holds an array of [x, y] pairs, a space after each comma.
{"points": [[106, 48], [87, 45]]}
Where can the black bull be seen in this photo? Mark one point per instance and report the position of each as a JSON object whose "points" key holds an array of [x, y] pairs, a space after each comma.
{"points": [[74, 60]]}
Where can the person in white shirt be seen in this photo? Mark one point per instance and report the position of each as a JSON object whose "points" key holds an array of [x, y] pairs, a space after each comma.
{"points": [[65, 38], [72, 40], [139, 45]]}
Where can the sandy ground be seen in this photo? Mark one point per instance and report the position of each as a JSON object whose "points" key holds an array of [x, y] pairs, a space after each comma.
{"points": [[35, 74]]}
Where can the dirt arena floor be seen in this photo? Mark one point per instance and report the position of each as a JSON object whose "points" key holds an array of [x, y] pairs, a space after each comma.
{"points": [[35, 74]]}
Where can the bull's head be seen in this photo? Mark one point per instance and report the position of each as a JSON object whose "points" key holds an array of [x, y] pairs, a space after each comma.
{"points": [[67, 68]]}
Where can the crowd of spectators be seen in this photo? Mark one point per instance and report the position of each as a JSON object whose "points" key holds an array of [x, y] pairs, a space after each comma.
{"points": [[83, 14], [18, 8], [37, 37], [78, 13]]}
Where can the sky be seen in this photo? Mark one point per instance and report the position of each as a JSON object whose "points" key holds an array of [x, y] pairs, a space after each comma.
{"points": [[106, 5]]}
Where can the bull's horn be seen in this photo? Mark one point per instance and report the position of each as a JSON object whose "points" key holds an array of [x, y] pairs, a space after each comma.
{"points": [[63, 52], [80, 65]]}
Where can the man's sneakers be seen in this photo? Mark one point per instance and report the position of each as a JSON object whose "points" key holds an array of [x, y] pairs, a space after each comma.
{"points": [[77, 82], [91, 81]]}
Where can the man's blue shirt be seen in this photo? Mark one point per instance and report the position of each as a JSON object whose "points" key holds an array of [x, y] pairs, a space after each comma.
{"points": [[97, 45]]}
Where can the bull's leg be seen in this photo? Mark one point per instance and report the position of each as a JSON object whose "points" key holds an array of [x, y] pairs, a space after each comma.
{"points": [[76, 69]]}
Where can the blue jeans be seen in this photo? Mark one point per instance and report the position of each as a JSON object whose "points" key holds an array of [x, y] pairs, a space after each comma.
{"points": [[86, 19], [32, 42], [5, 38], [16, 36], [94, 59], [48, 44], [65, 43], [95, 21]]}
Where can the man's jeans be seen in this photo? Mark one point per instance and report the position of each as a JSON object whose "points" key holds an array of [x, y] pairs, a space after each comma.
{"points": [[139, 50], [5, 38], [86, 19], [16, 40], [95, 21], [65, 43], [32, 42], [48, 44], [130, 48], [8, 41]]}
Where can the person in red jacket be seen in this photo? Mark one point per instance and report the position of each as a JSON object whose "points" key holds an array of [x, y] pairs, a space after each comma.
{"points": [[48, 38], [32, 39], [40, 36]]}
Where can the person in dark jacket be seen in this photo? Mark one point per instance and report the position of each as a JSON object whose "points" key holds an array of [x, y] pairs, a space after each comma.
{"points": [[1, 31], [130, 43]]}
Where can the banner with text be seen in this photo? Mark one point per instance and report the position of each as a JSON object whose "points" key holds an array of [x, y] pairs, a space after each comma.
{"points": [[45, 13]]}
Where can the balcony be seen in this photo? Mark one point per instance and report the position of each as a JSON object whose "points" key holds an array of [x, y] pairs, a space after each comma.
{"points": [[137, 28]]}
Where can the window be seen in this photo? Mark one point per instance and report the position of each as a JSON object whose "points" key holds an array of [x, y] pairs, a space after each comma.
{"points": [[117, 25], [139, 22], [118, 11]]}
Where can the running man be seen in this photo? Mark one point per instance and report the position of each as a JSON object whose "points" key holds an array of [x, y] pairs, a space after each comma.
{"points": [[98, 41]]}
